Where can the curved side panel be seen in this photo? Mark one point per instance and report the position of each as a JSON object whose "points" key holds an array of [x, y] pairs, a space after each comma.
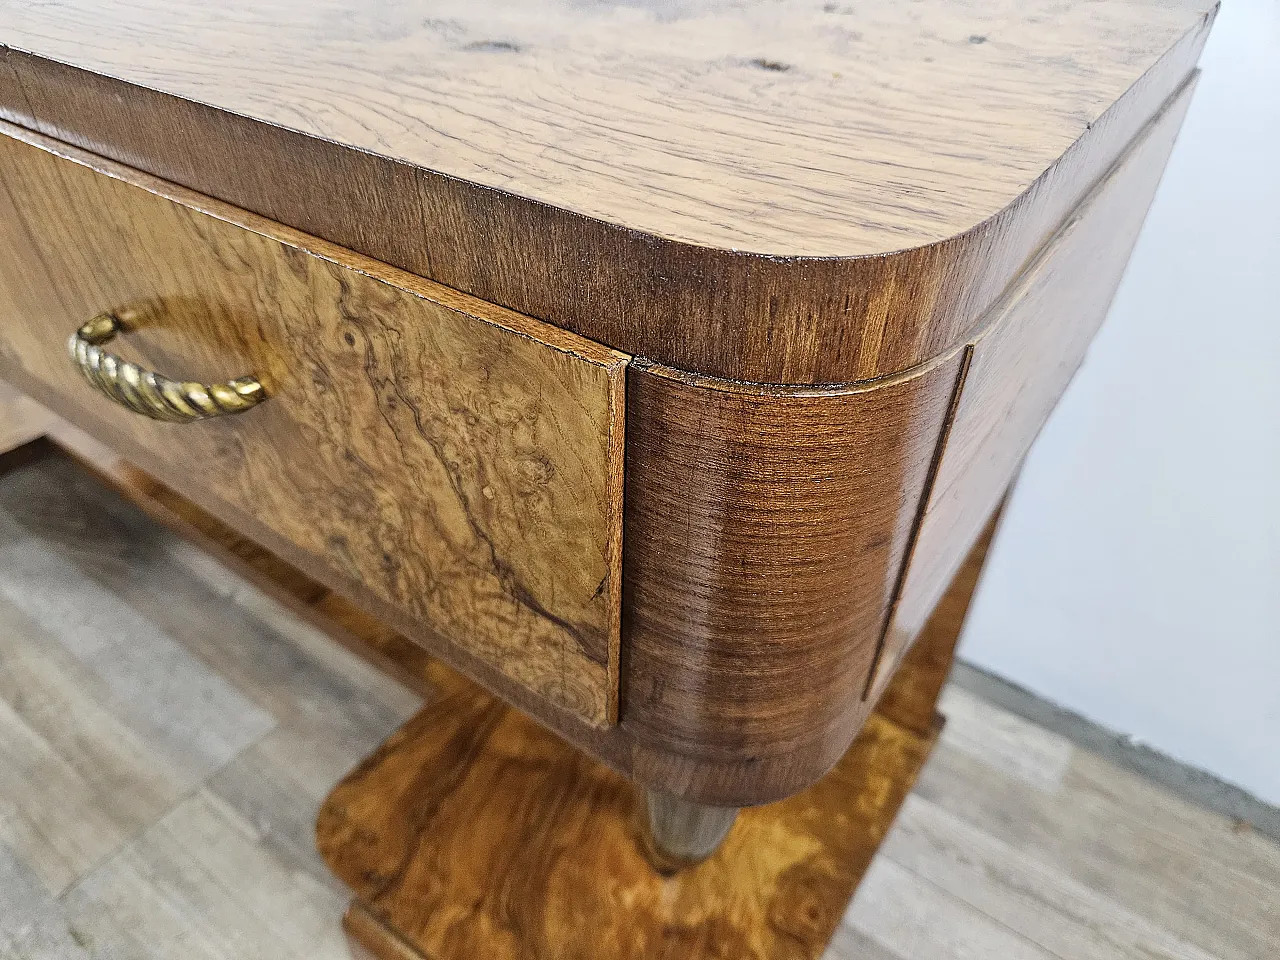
{"points": [[764, 534], [1022, 363]]}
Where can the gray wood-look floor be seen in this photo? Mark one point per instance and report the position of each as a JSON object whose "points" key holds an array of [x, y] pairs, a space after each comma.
{"points": [[167, 733]]}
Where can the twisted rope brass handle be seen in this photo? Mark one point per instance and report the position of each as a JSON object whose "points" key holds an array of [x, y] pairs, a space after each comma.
{"points": [[152, 394]]}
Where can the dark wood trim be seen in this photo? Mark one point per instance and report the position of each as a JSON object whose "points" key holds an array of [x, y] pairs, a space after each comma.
{"points": [[765, 530], [910, 698], [943, 436]]}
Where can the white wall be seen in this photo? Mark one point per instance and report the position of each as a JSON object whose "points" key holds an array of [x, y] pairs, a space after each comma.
{"points": [[1136, 579]]}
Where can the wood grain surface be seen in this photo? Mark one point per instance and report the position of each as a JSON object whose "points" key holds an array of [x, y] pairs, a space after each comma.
{"points": [[380, 641], [786, 191], [427, 453], [909, 702], [764, 532], [473, 832], [627, 750], [1021, 363]]}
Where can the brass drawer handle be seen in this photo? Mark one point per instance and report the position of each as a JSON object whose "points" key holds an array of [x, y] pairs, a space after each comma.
{"points": [[152, 394]]}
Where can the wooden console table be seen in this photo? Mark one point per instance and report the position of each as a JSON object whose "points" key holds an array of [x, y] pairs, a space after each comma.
{"points": [[658, 368]]}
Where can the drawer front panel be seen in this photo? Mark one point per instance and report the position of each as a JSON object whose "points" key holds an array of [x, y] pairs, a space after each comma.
{"points": [[441, 458]]}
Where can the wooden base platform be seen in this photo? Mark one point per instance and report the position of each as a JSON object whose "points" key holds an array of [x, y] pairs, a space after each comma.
{"points": [[474, 833]]}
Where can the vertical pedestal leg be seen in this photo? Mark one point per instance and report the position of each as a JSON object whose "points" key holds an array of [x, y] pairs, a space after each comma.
{"points": [[679, 834]]}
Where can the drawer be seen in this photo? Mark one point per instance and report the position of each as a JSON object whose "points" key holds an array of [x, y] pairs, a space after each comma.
{"points": [[453, 466]]}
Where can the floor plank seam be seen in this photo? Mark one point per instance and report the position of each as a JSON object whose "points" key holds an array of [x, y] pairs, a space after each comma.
{"points": [[134, 836], [977, 909]]}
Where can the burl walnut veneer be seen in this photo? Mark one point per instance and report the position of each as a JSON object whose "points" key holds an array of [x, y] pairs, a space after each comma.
{"points": [[655, 365]]}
